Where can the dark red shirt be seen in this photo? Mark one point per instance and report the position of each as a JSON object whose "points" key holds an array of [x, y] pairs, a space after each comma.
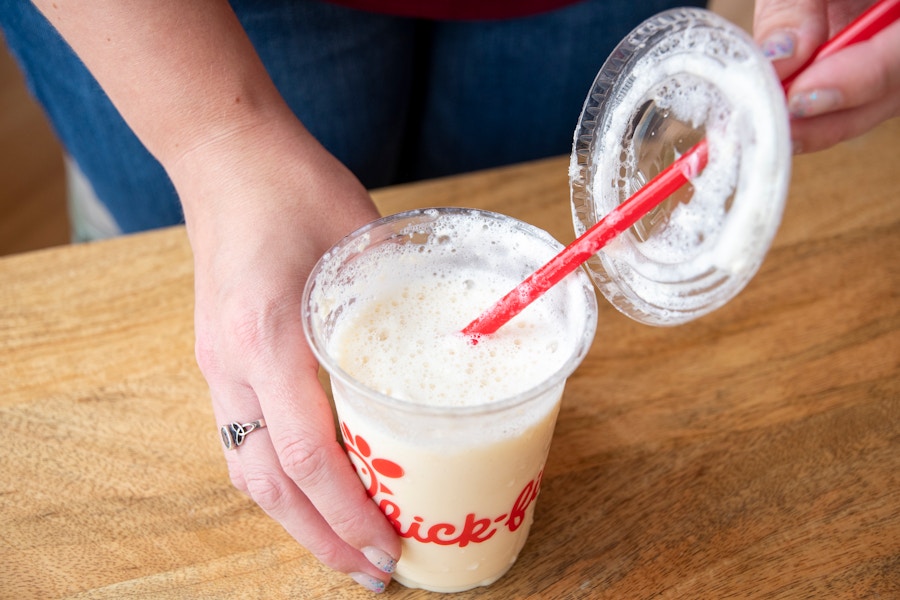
{"points": [[457, 9]]}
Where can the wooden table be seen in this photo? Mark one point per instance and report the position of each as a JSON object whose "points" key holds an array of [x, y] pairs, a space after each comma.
{"points": [[753, 453]]}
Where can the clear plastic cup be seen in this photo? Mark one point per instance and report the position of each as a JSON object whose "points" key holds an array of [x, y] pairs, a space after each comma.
{"points": [[451, 449]]}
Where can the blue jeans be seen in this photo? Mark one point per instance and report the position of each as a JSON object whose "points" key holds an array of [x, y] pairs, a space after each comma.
{"points": [[394, 99]]}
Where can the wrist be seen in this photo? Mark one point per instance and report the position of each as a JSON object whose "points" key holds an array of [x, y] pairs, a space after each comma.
{"points": [[264, 185]]}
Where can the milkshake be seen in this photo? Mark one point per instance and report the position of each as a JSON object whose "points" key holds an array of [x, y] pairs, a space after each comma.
{"points": [[448, 434]]}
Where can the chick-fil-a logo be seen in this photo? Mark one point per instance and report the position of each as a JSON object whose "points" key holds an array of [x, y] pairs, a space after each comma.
{"points": [[473, 530]]}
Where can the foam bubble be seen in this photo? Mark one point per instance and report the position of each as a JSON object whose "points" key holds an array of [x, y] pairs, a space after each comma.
{"points": [[402, 306]]}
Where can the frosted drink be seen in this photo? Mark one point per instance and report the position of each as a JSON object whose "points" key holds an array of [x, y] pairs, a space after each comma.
{"points": [[449, 436]]}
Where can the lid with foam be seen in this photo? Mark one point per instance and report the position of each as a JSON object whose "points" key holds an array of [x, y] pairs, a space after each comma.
{"points": [[681, 76]]}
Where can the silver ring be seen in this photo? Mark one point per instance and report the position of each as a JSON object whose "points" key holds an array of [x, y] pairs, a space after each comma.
{"points": [[233, 434]]}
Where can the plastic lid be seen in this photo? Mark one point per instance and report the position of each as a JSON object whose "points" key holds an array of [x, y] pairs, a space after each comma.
{"points": [[682, 75]]}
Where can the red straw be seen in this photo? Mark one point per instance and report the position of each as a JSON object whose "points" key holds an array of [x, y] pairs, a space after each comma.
{"points": [[877, 17], [615, 222], [651, 195]]}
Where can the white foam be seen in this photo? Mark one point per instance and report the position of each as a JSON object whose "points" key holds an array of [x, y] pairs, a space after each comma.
{"points": [[403, 307]]}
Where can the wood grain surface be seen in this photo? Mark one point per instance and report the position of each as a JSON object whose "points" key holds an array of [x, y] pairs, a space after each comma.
{"points": [[753, 453]]}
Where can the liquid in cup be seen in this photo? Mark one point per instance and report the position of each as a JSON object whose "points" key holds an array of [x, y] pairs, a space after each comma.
{"points": [[449, 437]]}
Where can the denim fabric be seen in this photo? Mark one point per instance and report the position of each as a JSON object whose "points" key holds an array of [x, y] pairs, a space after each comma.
{"points": [[394, 99], [126, 178]]}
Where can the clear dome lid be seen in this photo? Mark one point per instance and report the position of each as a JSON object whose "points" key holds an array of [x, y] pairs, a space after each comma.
{"points": [[682, 76]]}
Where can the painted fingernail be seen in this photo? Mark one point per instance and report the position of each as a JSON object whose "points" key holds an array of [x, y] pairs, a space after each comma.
{"points": [[779, 45], [380, 559], [368, 582], [817, 102]]}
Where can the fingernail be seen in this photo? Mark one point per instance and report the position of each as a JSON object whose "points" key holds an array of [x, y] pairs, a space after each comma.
{"points": [[779, 45], [796, 147], [817, 102], [368, 582], [380, 559]]}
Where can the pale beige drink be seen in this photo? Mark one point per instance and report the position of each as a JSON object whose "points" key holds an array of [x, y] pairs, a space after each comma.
{"points": [[449, 437]]}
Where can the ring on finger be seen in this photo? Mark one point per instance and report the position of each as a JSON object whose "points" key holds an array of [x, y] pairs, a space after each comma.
{"points": [[234, 434]]}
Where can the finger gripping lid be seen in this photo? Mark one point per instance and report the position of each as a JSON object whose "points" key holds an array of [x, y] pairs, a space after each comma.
{"points": [[682, 76]]}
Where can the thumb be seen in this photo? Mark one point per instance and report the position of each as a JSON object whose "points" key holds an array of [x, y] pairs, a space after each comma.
{"points": [[789, 32]]}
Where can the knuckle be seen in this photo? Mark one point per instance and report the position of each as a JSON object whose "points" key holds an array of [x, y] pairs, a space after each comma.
{"points": [[349, 521], [773, 15], [268, 490], [786, 8], [253, 323], [244, 330], [330, 555], [764, 12], [237, 480], [206, 356], [304, 462], [308, 465]]}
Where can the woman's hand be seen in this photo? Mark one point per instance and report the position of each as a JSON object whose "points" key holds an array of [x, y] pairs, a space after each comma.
{"points": [[840, 96], [265, 203], [262, 201]]}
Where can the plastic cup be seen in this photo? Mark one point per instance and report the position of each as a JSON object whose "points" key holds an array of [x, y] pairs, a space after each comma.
{"points": [[451, 449]]}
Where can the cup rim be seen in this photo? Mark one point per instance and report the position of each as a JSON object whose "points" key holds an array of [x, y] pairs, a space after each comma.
{"points": [[318, 344]]}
